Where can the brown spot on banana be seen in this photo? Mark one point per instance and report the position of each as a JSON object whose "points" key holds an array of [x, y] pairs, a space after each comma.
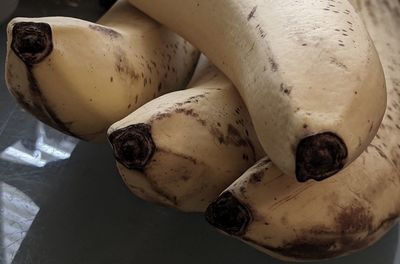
{"points": [[160, 116], [233, 136], [251, 14], [123, 66], [133, 145], [262, 164], [274, 65], [286, 89], [256, 177], [179, 110], [320, 156], [105, 30], [303, 248], [308, 247], [354, 219]]}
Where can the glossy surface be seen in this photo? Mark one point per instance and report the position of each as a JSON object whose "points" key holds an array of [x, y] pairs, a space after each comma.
{"points": [[63, 202]]}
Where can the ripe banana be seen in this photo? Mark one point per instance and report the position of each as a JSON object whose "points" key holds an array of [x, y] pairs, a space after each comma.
{"points": [[183, 149], [307, 71], [292, 221], [80, 77]]}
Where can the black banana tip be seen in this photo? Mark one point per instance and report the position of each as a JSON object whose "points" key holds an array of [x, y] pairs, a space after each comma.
{"points": [[31, 42], [228, 214], [320, 156], [133, 145]]}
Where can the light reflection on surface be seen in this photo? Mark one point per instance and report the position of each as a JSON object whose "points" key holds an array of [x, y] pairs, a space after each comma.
{"points": [[17, 214], [49, 146]]}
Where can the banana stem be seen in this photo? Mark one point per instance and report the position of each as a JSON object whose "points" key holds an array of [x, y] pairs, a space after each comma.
{"points": [[32, 42], [133, 146], [229, 215], [320, 156]]}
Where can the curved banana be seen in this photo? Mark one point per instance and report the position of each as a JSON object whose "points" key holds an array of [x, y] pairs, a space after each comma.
{"points": [[182, 149], [80, 77], [346, 213], [307, 71]]}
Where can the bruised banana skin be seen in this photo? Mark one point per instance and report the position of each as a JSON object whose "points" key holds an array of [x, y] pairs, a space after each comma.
{"points": [[80, 77], [291, 221], [307, 71], [183, 149]]}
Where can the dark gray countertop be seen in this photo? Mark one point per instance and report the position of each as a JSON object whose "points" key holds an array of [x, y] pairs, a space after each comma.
{"points": [[59, 207]]}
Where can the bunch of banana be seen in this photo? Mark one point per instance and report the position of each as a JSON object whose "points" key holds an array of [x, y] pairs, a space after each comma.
{"points": [[318, 220], [307, 74], [80, 77]]}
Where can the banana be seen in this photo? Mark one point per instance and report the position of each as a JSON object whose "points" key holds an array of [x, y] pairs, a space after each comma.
{"points": [[184, 148], [80, 77], [319, 220], [307, 71]]}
